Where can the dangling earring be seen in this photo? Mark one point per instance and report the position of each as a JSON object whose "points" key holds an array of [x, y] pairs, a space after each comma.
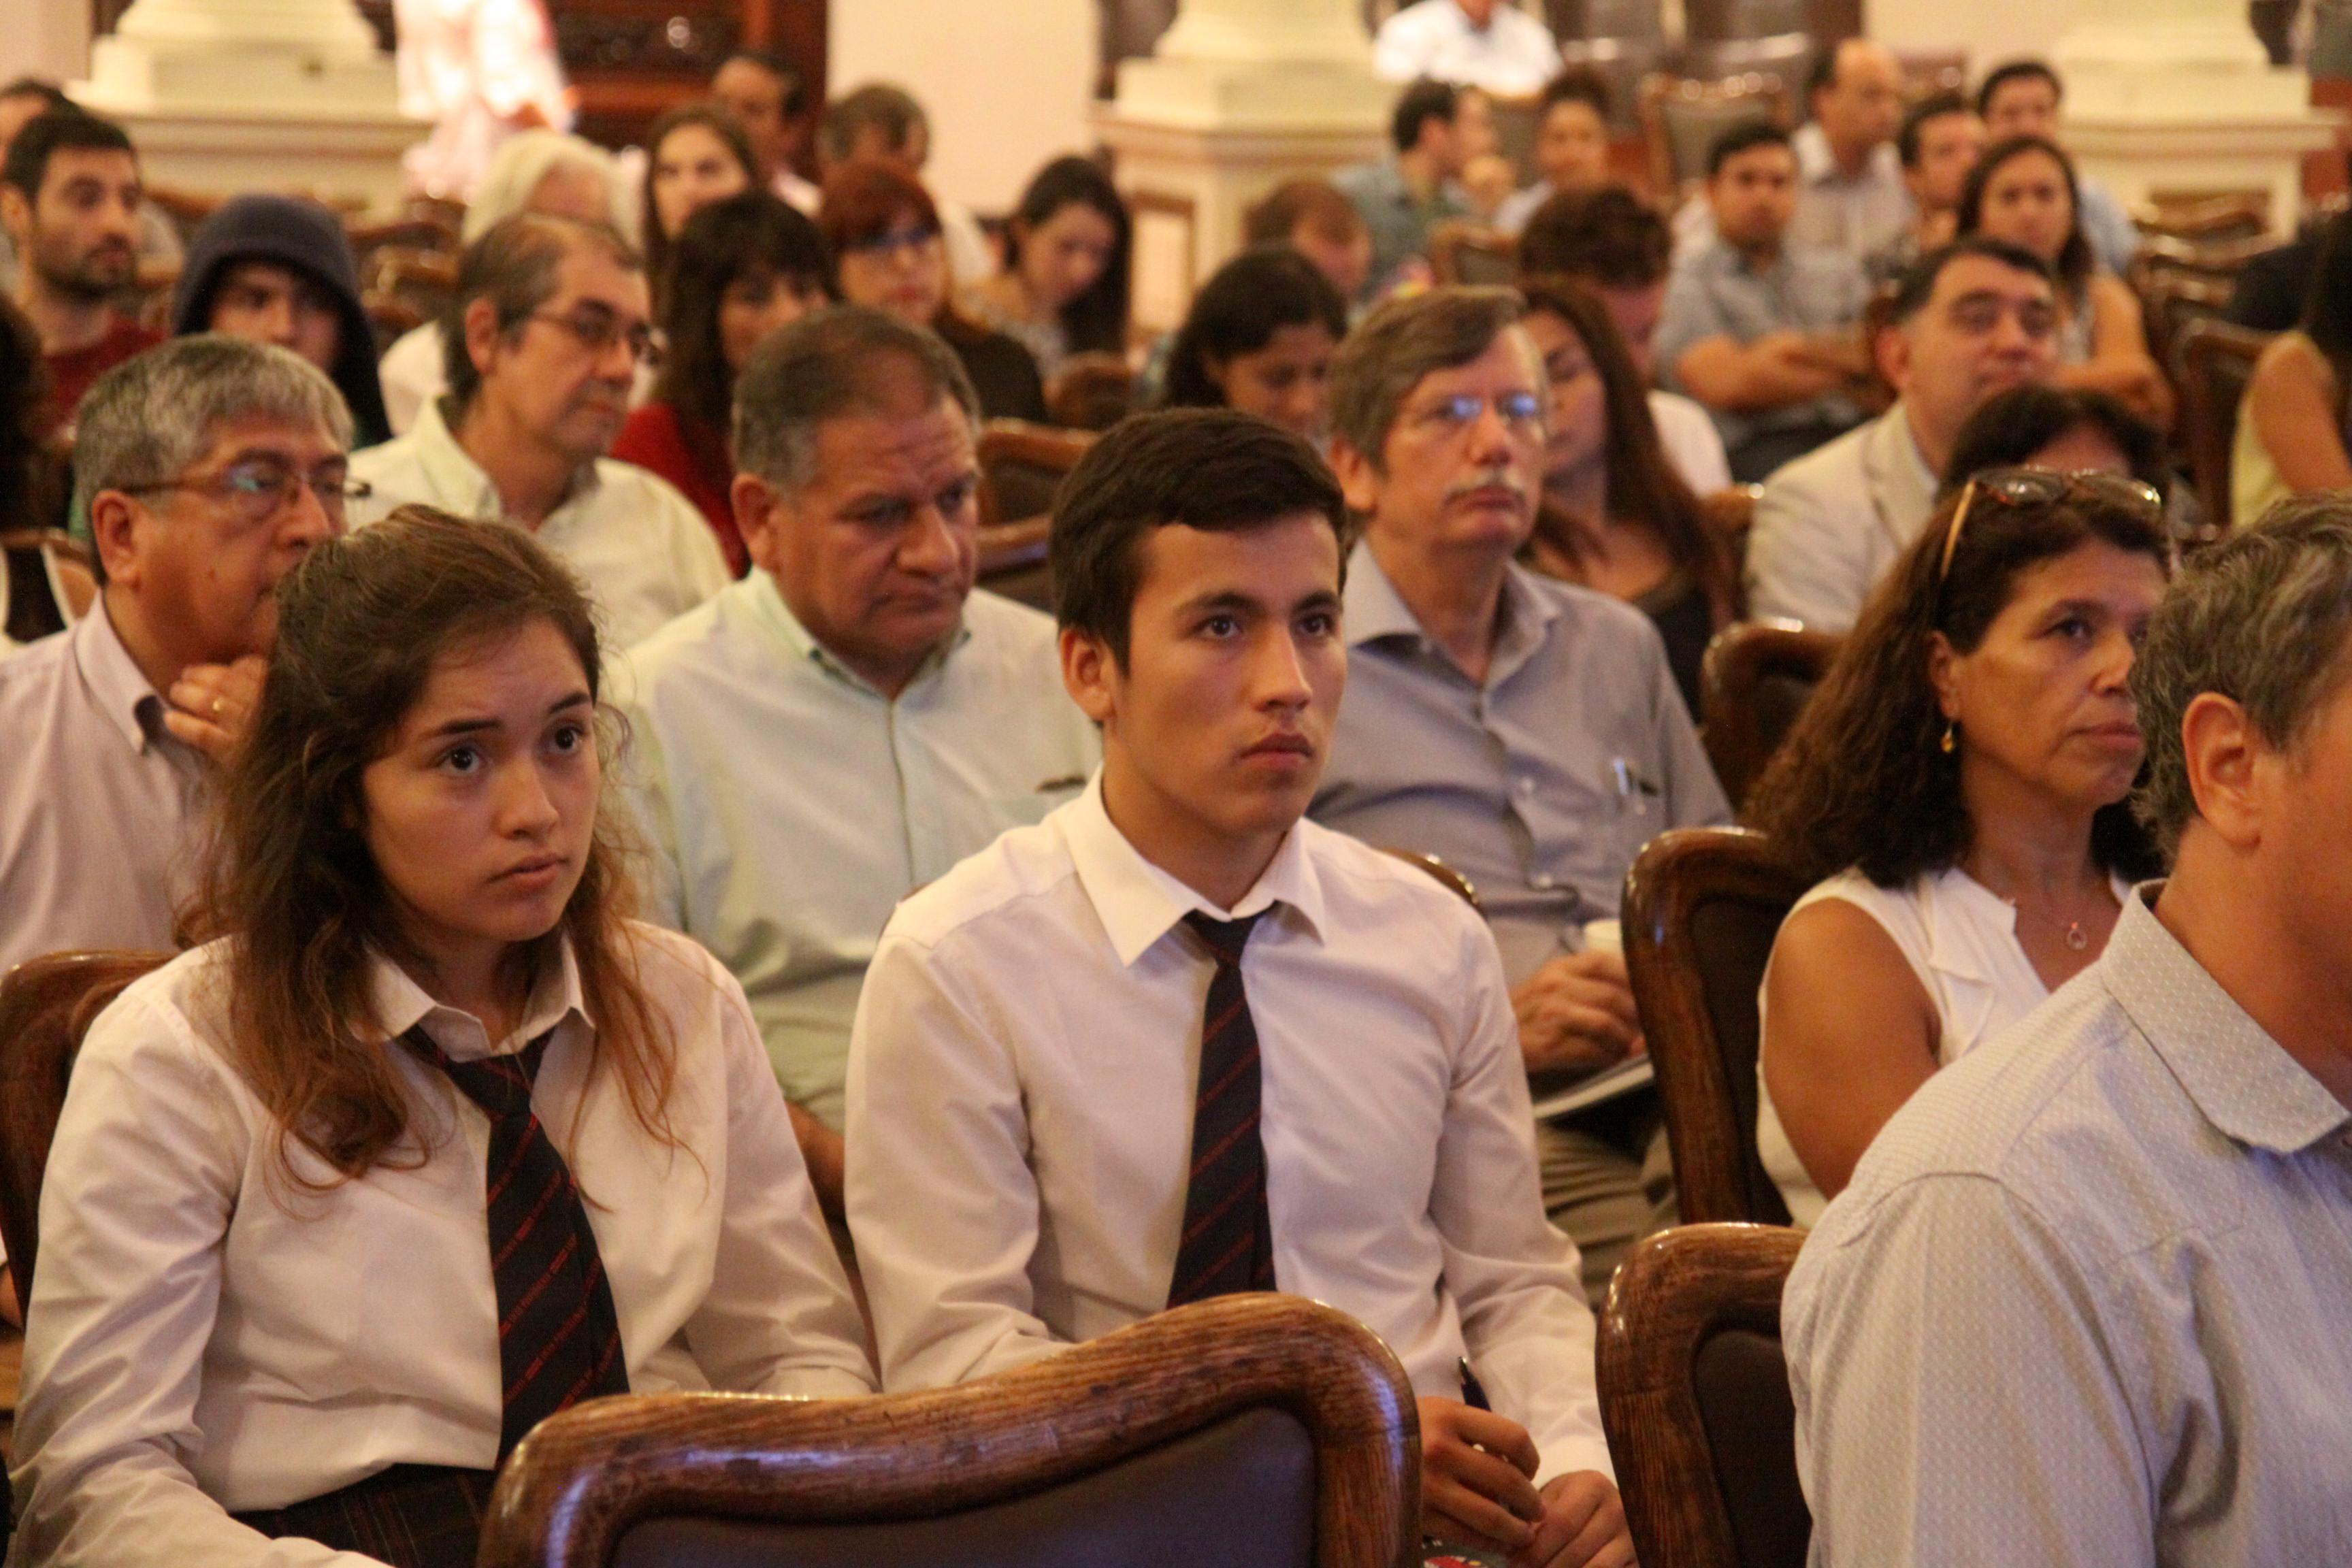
{"points": [[1951, 731]]}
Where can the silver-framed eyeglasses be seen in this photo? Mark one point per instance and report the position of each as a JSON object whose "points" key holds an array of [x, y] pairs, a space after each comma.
{"points": [[260, 488], [1521, 412]]}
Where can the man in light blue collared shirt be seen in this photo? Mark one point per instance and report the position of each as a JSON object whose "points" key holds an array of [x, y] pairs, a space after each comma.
{"points": [[1526, 732], [852, 719]]}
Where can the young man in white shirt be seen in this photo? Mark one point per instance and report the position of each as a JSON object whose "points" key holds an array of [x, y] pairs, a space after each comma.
{"points": [[852, 718], [1175, 1041], [554, 323]]}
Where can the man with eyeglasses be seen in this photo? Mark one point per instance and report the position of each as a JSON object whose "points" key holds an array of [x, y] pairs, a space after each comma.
{"points": [[543, 340], [1974, 319], [1526, 732]]}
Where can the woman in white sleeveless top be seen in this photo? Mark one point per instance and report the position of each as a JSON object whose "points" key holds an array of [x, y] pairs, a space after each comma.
{"points": [[1958, 786]]}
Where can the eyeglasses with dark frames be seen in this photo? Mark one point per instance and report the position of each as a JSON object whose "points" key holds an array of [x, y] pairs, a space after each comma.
{"points": [[598, 331]]}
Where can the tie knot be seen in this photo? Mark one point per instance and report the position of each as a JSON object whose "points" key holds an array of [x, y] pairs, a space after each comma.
{"points": [[1226, 938], [499, 1085]]}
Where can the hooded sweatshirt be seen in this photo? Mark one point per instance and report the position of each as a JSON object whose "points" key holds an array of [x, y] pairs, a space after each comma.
{"points": [[310, 240]]}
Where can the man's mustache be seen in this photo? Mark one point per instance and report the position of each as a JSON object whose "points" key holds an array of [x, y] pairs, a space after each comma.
{"points": [[1498, 478]]}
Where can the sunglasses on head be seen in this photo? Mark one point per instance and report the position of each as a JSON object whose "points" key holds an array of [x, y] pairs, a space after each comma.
{"points": [[2046, 487]]}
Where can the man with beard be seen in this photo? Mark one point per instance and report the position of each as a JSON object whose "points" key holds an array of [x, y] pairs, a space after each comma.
{"points": [[69, 196], [543, 340]]}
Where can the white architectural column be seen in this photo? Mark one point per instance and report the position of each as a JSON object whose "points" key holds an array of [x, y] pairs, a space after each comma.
{"points": [[234, 95], [1239, 96], [2176, 96]]}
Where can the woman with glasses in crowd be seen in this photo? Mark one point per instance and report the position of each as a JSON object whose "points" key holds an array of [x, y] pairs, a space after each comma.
{"points": [[2024, 190], [431, 1140], [884, 232], [1615, 515], [1063, 288], [1957, 786], [1260, 339], [696, 154], [741, 267]]}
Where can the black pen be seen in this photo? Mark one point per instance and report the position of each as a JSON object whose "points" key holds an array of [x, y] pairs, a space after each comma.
{"points": [[1473, 1393]]}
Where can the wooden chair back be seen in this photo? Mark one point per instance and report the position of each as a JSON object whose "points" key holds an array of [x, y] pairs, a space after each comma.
{"points": [[1257, 1431], [49, 581], [1681, 116], [1695, 1398], [1090, 392], [1732, 515], [1756, 680], [1022, 465], [1463, 252], [1702, 908], [2212, 360], [2205, 217], [1927, 72], [2172, 296], [1013, 562], [47, 1004]]}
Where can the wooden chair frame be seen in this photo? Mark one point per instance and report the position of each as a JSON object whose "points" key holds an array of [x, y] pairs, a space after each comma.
{"points": [[1045, 447], [1714, 1144], [46, 1006], [1453, 242], [584, 1477], [2210, 435], [1658, 90], [1675, 1292], [1737, 661]]}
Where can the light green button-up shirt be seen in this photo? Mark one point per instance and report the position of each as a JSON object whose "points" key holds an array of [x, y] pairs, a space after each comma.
{"points": [[790, 805]]}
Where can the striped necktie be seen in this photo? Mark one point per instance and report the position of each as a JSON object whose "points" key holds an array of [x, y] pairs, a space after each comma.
{"points": [[1228, 1238], [559, 1337]]}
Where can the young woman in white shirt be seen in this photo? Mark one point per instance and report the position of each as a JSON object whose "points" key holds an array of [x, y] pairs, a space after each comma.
{"points": [[1958, 783], [267, 1327]]}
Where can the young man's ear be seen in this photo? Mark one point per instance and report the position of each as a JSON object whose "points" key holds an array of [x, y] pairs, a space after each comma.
{"points": [[1090, 673]]}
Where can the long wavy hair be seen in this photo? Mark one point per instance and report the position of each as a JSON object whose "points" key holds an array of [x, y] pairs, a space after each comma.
{"points": [[293, 887], [1097, 320], [1863, 780], [1643, 486]]}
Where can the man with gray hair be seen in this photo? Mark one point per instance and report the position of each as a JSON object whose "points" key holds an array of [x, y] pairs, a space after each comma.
{"points": [[1525, 731], [207, 467], [544, 338], [852, 718], [2085, 1301]]}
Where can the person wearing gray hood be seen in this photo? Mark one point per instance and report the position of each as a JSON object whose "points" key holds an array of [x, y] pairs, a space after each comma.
{"points": [[279, 269]]}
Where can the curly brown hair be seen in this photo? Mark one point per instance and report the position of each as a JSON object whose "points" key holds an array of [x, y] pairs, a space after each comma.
{"points": [[1863, 780]]}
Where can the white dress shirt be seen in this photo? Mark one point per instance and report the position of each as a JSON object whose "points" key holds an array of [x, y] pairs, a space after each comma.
{"points": [[202, 1340], [646, 554], [1694, 446], [2084, 1305], [1959, 939], [412, 375], [790, 805], [1513, 54], [1020, 1093]]}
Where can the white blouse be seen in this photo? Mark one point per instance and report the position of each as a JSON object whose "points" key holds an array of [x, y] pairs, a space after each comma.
{"points": [[1961, 940], [206, 1339]]}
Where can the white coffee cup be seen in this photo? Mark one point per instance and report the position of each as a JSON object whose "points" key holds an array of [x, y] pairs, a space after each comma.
{"points": [[1604, 936]]}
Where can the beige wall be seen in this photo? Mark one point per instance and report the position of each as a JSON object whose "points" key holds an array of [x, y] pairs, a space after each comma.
{"points": [[43, 38], [1991, 30], [1007, 82]]}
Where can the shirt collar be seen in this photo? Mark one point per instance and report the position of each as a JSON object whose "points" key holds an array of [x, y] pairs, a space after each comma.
{"points": [[129, 703], [401, 1004], [768, 604], [2242, 1080], [451, 471], [1138, 904], [1374, 612]]}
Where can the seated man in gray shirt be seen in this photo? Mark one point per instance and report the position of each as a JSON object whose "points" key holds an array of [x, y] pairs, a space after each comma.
{"points": [[1526, 732], [1759, 329], [2085, 1301]]}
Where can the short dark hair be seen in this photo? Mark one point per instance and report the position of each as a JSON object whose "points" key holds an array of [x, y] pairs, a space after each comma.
{"points": [[2074, 258], [2001, 76], [1608, 237], [55, 130], [1917, 284], [513, 266], [1935, 106], [1402, 341], [1822, 74], [1577, 84], [1746, 136], [846, 359], [1208, 469], [751, 233], [889, 109], [1239, 310], [49, 92], [1423, 101], [2010, 426], [775, 64]]}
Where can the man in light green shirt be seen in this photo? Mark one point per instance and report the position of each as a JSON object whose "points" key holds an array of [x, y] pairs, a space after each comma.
{"points": [[852, 719]]}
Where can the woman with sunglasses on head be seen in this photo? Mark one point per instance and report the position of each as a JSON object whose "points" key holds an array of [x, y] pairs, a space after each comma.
{"points": [[1615, 515], [431, 1140], [2024, 190], [741, 267], [884, 232], [1957, 786]]}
